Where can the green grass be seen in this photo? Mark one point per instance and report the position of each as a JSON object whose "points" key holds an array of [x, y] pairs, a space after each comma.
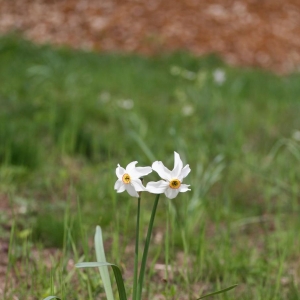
{"points": [[68, 117]]}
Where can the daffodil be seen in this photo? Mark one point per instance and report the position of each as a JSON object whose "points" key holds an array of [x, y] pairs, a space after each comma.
{"points": [[171, 184], [129, 179]]}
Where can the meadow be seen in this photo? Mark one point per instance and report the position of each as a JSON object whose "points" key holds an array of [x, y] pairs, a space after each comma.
{"points": [[68, 117]]}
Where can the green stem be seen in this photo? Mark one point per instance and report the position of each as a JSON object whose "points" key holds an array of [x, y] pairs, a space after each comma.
{"points": [[136, 251], [167, 243], [145, 253]]}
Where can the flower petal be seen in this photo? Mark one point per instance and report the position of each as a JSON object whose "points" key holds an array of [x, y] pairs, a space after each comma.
{"points": [[157, 187], [119, 186], [171, 193], [137, 184], [177, 165], [161, 170], [131, 166], [120, 171], [140, 172], [118, 183], [121, 189], [131, 191], [184, 172], [184, 188]]}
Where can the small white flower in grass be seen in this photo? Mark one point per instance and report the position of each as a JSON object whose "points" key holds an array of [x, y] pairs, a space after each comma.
{"points": [[129, 179], [219, 76], [172, 183]]}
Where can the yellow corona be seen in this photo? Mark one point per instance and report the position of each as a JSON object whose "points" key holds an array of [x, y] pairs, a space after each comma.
{"points": [[126, 178], [175, 184]]}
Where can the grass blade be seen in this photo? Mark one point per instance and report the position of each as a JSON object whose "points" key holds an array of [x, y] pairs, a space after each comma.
{"points": [[219, 292], [117, 273], [100, 254], [51, 297]]}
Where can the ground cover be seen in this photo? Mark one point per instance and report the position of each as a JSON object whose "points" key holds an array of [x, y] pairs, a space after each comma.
{"points": [[68, 117]]}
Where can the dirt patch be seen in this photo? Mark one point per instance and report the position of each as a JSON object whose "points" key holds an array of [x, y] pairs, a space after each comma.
{"points": [[247, 32], [4, 243], [3, 264]]}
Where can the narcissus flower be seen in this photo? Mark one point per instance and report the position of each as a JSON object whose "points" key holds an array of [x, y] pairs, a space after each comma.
{"points": [[172, 183], [129, 179]]}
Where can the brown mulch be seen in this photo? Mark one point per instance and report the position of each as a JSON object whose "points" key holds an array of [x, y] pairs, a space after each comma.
{"points": [[264, 33]]}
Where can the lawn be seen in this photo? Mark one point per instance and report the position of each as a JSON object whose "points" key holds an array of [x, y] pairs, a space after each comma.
{"points": [[69, 117]]}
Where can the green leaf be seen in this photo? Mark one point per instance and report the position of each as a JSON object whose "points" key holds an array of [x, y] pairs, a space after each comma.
{"points": [[219, 292], [117, 273], [100, 254], [51, 297]]}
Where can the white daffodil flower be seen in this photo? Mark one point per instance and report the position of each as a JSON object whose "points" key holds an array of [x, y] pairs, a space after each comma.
{"points": [[172, 183], [129, 179]]}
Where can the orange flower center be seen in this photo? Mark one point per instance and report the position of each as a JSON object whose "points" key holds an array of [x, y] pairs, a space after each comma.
{"points": [[174, 184], [126, 178]]}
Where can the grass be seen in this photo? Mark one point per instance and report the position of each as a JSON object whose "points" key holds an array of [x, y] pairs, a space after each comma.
{"points": [[68, 117]]}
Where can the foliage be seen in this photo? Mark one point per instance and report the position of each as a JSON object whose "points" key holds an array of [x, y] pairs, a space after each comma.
{"points": [[68, 117]]}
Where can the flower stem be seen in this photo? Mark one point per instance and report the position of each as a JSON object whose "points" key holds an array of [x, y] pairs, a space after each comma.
{"points": [[136, 251], [145, 253], [167, 243]]}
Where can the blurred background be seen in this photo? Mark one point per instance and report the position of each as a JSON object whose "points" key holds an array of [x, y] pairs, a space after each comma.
{"points": [[85, 85], [249, 32]]}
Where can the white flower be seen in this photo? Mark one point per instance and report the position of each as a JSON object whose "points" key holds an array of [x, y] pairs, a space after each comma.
{"points": [[187, 110], [172, 183], [126, 104], [129, 179], [219, 76]]}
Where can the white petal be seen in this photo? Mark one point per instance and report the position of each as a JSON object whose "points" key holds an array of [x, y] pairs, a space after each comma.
{"points": [[131, 166], [161, 170], [118, 183], [137, 184], [140, 172], [131, 191], [121, 188], [120, 171], [157, 187], [184, 172], [177, 165], [171, 193], [184, 188]]}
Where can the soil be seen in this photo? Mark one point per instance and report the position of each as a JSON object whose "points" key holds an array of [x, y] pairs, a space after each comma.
{"points": [[4, 243], [261, 33]]}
